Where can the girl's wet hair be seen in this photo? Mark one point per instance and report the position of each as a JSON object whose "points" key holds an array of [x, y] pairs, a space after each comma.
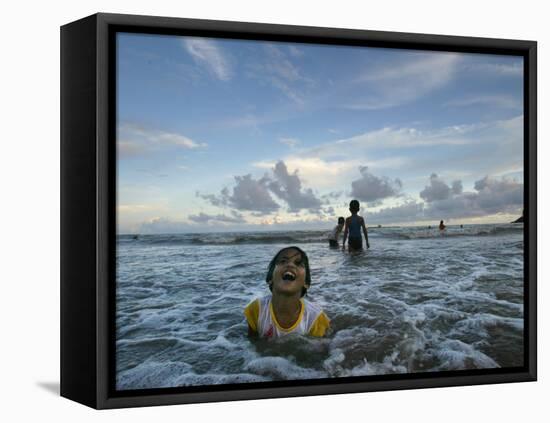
{"points": [[354, 205], [341, 220], [273, 263]]}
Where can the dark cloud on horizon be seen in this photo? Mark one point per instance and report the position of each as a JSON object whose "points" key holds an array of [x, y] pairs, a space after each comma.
{"points": [[255, 195], [456, 187], [373, 189], [163, 225], [408, 212], [289, 189], [215, 201], [221, 218], [442, 201], [248, 194], [437, 190], [492, 196], [251, 194], [333, 195]]}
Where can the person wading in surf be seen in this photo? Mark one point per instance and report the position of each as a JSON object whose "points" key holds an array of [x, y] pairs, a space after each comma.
{"points": [[354, 224]]}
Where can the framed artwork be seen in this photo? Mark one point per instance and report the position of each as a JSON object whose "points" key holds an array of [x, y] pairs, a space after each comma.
{"points": [[255, 211]]}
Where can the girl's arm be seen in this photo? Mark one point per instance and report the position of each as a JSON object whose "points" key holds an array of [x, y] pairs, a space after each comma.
{"points": [[345, 235], [365, 232]]}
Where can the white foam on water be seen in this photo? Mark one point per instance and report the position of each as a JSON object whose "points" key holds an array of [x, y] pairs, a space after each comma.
{"points": [[386, 366], [222, 341], [480, 322], [333, 364], [192, 379], [150, 374], [348, 337], [458, 355], [281, 368], [403, 306]]}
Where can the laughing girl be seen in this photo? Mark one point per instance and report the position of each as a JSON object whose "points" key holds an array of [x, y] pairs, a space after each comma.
{"points": [[285, 311]]}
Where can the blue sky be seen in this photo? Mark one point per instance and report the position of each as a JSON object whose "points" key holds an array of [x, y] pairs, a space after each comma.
{"points": [[216, 135]]}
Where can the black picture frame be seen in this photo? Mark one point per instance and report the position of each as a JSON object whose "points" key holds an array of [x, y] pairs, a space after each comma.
{"points": [[88, 215]]}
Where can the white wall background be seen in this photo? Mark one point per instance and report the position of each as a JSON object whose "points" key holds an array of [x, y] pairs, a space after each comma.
{"points": [[29, 236]]}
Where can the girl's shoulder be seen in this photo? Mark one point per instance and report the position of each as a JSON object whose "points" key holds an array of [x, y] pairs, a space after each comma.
{"points": [[312, 307], [264, 301], [259, 302]]}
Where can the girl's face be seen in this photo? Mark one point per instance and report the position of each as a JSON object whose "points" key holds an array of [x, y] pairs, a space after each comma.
{"points": [[289, 275]]}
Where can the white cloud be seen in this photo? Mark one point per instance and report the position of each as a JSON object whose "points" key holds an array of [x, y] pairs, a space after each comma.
{"points": [[295, 51], [278, 70], [368, 146], [404, 81], [497, 69], [280, 65], [207, 53], [134, 140], [388, 137], [372, 188], [487, 100], [291, 142]]}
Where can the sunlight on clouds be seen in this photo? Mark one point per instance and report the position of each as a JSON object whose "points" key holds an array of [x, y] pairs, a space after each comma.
{"points": [[292, 129], [322, 173]]}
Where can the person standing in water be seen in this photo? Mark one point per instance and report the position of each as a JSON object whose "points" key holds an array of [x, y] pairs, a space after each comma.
{"points": [[333, 236], [354, 224], [441, 226]]}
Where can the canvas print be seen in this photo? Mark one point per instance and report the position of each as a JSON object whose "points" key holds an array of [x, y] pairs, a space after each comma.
{"points": [[290, 211]]}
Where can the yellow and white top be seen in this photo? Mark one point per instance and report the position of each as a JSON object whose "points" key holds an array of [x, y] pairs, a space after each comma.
{"points": [[261, 318]]}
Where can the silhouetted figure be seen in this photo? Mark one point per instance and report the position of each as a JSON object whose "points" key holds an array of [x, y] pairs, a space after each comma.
{"points": [[353, 227]]}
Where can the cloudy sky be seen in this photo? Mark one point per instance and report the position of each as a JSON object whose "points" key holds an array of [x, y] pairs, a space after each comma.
{"points": [[218, 135]]}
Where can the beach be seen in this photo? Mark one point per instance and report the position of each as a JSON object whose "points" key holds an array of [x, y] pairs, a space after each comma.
{"points": [[416, 301]]}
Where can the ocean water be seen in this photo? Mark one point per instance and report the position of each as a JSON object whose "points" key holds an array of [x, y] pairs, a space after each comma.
{"points": [[415, 302]]}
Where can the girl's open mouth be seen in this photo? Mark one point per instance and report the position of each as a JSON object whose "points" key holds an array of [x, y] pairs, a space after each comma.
{"points": [[289, 276]]}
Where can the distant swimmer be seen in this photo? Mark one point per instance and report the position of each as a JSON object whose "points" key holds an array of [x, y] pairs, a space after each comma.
{"points": [[335, 233], [442, 226], [353, 227]]}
